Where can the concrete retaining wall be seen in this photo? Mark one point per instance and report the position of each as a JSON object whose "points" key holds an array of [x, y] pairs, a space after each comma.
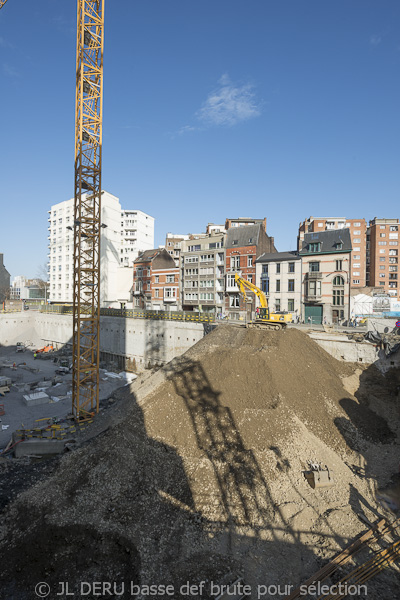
{"points": [[147, 342], [151, 342], [350, 351]]}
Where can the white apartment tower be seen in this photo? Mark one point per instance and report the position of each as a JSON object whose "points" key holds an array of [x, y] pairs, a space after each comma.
{"points": [[113, 243], [137, 233]]}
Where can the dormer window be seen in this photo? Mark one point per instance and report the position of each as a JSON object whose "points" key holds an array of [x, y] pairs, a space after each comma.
{"points": [[235, 242], [339, 245], [314, 247]]}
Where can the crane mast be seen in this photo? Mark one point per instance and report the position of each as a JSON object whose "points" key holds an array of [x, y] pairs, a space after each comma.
{"points": [[87, 207]]}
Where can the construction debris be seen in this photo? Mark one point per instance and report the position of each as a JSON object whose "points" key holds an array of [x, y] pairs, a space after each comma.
{"points": [[194, 474]]}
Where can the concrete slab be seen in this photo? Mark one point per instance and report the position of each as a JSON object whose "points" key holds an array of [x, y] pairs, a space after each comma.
{"points": [[36, 399], [39, 447]]}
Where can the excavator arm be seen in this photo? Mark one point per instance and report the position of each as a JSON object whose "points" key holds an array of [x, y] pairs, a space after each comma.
{"points": [[2, 3], [243, 284]]}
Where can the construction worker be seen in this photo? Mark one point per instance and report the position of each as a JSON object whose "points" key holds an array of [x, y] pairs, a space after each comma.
{"points": [[34, 355]]}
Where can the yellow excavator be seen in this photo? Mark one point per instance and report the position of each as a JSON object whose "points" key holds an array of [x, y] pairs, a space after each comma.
{"points": [[264, 319]]}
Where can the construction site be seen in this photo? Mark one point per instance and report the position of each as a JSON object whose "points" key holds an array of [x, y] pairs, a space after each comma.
{"points": [[155, 458], [249, 465]]}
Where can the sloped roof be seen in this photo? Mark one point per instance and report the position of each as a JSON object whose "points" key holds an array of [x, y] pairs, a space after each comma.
{"points": [[148, 255], [247, 235], [278, 256], [329, 241]]}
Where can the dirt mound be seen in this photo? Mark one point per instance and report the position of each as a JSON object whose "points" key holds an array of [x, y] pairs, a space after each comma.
{"points": [[200, 472]]}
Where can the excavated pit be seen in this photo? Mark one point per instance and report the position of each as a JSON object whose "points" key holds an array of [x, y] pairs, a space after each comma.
{"points": [[198, 471]]}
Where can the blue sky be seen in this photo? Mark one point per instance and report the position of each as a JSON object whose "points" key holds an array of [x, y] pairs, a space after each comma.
{"points": [[212, 109]]}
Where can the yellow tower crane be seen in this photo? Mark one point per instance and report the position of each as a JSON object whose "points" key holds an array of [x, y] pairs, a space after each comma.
{"points": [[87, 207]]}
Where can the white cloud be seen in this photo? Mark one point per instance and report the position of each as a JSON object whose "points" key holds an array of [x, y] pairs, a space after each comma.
{"points": [[375, 40], [187, 129], [229, 104], [10, 71]]}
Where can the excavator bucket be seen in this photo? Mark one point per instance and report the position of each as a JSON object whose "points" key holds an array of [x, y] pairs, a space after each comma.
{"points": [[320, 478]]}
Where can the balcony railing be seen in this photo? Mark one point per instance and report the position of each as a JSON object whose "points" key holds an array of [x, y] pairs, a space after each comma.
{"points": [[313, 297], [314, 275]]}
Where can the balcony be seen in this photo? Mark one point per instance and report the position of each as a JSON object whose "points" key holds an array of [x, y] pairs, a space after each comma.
{"points": [[313, 275], [313, 297]]}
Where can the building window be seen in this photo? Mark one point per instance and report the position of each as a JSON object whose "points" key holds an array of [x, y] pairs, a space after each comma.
{"points": [[278, 267], [313, 267], [278, 285], [290, 305], [157, 279], [169, 292], [230, 281], [291, 267], [338, 297], [382, 235], [278, 304], [265, 268], [157, 293], [356, 273], [339, 265], [234, 301], [235, 263], [249, 261], [314, 288], [314, 247], [291, 285], [356, 281], [170, 278], [381, 243]]}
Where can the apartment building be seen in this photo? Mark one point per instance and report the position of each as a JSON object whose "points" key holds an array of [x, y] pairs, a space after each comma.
{"points": [[4, 280], [156, 281], [202, 273], [383, 255], [243, 246], [279, 276], [326, 268], [118, 248], [137, 235], [173, 243], [245, 222], [358, 236]]}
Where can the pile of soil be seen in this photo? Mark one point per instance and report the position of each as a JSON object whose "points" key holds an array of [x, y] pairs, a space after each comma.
{"points": [[197, 472]]}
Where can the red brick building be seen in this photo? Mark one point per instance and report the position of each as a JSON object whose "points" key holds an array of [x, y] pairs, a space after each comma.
{"points": [[155, 281], [243, 246], [383, 256]]}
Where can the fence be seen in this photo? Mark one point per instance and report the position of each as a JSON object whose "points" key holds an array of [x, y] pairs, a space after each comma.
{"points": [[65, 309]]}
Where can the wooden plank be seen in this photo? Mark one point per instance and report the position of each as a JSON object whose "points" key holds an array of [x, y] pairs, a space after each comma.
{"points": [[339, 560]]}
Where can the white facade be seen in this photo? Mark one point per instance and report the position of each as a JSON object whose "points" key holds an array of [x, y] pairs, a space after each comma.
{"points": [[280, 279], [19, 288], [113, 243], [137, 235]]}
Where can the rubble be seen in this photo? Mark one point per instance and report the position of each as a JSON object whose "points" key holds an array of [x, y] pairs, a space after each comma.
{"points": [[197, 472]]}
